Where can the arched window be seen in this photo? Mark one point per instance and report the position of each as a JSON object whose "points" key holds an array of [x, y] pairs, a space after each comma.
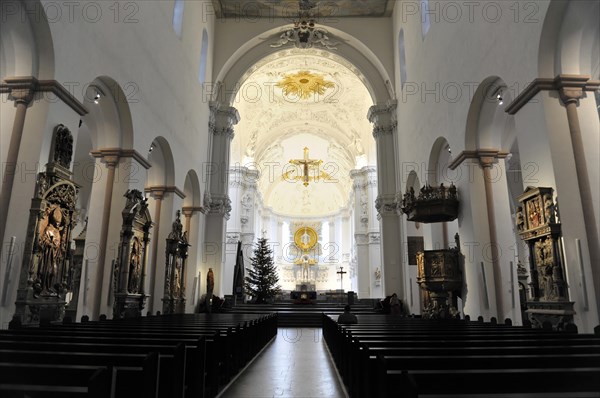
{"points": [[425, 22], [203, 56], [178, 17], [402, 58]]}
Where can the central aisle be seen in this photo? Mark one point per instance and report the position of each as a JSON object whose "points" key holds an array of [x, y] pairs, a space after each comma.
{"points": [[296, 364]]}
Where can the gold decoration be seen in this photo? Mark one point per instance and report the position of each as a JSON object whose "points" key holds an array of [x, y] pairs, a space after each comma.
{"points": [[304, 84], [306, 163], [305, 238]]}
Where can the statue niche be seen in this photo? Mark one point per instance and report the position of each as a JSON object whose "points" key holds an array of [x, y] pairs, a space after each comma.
{"points": [[130, 266], [175, 270], [536, 222], [47, 270]]}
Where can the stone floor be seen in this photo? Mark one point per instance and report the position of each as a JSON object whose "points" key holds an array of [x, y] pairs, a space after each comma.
{"points": [[296, 364]]}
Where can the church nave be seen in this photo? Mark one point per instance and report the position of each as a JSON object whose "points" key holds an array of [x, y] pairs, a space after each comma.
{"points": [[295, 364]]}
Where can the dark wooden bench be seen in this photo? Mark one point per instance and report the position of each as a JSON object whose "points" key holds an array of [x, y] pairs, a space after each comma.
{"points": [[31, 380]]}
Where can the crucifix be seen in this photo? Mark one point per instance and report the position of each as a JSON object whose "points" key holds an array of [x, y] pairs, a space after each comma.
{"points": [[306, 162], [341, 272]]}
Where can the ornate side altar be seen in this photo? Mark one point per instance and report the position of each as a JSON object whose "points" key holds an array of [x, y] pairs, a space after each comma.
{"points": [[47, 269], [433, 204], [439, 274], [130, 267], [176, 253], [538, 225]]}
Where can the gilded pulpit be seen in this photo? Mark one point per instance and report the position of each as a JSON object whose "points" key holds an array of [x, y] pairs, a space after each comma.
{"points": [[539, 226], [130, 267], [176, 254], [47, 269]]}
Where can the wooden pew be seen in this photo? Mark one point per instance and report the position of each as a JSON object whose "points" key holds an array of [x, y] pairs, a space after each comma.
{"points": [[29, 380]]}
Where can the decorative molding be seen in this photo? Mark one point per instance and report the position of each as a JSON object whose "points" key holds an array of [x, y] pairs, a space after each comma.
{"points": [[386, 205], [23, 88], [570, 85], [383, 118], [217, 204], [484, 155], [190, 210], [162, 189], [115, 153], [222, 119]]}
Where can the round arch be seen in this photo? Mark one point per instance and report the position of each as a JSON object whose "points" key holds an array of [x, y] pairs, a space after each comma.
{"points": [[191, 189], [570, 42], [486, 114], [368, 66], [109, 118], [162, 172]]}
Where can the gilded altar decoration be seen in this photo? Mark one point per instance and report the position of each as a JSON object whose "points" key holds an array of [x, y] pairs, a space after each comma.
{"points": [[432, 204], [305, 238], [175, 270], [304, 84], [537, 223], [47, 273], [130, 266], [438, 273]]}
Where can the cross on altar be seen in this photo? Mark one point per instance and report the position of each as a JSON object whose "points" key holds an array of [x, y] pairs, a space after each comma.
{"points": [[341, 272]]}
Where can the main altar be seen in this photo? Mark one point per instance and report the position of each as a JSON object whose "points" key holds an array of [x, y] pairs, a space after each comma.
{"points": [[305, 240]]}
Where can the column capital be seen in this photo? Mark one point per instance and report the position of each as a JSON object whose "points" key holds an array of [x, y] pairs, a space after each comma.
{"points": [[383, 118], [189, 211], [22, 89], [486, 157], [111, 156], [217, 204], [158, 191], [386, 206], [570, 88], [222, 119]]}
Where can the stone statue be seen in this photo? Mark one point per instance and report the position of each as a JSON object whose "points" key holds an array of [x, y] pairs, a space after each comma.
{"points": [[548, 209], [520, 219], [210, 283]]}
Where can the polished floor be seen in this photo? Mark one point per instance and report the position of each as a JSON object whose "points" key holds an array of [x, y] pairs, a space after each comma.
{"points": [[295, 365]]}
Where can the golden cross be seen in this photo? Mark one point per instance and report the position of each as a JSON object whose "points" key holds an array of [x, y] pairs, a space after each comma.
{"points": [[305, 163]]}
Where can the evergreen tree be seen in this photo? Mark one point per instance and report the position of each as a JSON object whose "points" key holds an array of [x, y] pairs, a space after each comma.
{"points": [[262, 280]]}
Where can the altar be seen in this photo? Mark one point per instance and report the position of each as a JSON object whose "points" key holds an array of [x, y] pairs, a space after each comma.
{"points": [[304, 293]]}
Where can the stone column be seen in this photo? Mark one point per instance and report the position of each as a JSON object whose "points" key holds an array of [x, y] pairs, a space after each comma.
{"points": [[361, 240], [487, 162], [384, 122], [157, 194], [111, 160], [22, 97], [216, 199], [570, 94]]}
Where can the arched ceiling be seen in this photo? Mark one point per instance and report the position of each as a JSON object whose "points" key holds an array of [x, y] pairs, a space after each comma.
{"points": [[303, 98]]}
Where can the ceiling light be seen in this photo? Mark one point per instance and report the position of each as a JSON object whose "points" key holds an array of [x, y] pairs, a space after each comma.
{"points": [[151, 148], [499, 98], [97, 98]]}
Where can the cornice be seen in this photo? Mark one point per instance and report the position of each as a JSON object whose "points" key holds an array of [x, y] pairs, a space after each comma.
{"points": [[560, 82], [483, 153], [121, 153], [162, 189], [17, 83]]}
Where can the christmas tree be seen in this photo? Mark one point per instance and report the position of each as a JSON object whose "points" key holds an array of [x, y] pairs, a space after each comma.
{"points": [[261, 282]]}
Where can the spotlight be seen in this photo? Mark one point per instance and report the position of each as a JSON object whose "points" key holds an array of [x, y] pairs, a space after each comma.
{"points": [[97, 98], [499, 98], [151, 148]]}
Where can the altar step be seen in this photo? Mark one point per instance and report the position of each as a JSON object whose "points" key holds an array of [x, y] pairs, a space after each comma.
{"points": [[300, 315]]}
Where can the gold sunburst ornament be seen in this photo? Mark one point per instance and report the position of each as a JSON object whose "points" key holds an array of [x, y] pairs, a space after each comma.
{"points": [[304, 84]]}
